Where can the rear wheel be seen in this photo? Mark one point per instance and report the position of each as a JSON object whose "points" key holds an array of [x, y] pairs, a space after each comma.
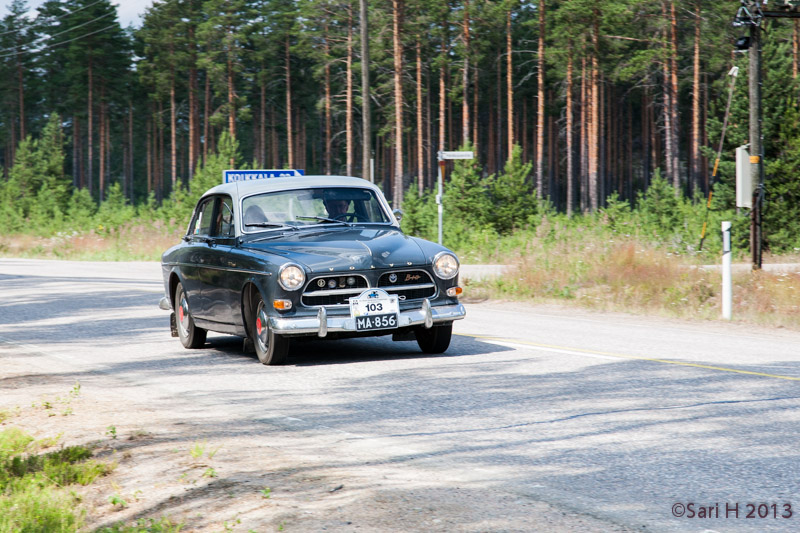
{"points": [[191, 336], [271, 348], [435, 339]]}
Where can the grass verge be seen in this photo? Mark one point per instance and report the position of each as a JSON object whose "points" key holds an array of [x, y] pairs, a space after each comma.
{"points": [[129, 242], [625, 273], [40, 489]]}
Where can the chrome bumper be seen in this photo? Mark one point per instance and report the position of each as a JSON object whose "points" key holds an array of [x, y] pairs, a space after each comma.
{"points": [[322, 324], [164, 304]]}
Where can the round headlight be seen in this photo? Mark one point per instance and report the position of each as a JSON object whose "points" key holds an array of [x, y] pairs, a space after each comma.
{"points": [[291, 277], [445, 265]]}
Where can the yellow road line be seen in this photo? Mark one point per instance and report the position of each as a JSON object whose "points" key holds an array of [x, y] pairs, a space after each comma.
{"points": [[634, 357]]}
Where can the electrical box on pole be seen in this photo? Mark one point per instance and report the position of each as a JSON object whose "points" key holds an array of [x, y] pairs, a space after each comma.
{"points": [[744, 178]]}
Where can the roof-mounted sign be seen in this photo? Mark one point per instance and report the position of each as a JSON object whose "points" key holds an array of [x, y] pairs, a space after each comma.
{"points": [[229, 176]]}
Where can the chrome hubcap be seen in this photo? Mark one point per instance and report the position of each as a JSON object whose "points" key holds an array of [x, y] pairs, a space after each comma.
{"points": [[183, 315], [262, 328]]}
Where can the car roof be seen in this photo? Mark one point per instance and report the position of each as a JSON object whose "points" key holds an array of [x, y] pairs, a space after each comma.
{"points": [[239, 189]]}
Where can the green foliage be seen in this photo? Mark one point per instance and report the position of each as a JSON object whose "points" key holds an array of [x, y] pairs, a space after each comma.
{"points": [[32, 493], [115, 211], [512, 196]]}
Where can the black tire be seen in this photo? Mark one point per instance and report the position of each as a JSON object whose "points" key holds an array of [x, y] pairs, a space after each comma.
{"points": [[434, 340], [191, 336], [272, 349]]}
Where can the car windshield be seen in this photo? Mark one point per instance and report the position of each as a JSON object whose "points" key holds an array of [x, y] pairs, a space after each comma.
{"points": [[307, 207]]}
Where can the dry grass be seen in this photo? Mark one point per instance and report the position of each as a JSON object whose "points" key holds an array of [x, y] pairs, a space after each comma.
{"points": [[626, 275], [131, 242]]}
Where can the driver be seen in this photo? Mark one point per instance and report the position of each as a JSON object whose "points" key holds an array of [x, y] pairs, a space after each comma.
{"points": [[336, 208]]}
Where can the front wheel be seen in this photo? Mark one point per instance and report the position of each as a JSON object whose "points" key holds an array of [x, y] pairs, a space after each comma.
{"points": [[191, 336], [434, 340], [271, 348]]}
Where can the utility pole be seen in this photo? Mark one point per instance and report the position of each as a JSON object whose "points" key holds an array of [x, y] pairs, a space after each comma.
{"points": [[750, 14], [366, 119], [756, 142]]}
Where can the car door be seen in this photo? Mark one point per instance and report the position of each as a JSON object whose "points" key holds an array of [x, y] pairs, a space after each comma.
{"points": [[222, 282], [195, 255]]}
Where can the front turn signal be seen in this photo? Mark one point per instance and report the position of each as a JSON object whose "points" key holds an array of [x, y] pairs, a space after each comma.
{"points": [[282, 305], [454, 291]]}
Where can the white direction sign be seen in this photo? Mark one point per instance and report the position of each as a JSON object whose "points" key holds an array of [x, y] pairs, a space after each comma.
{"points": [[457, 155], [229, 176]]}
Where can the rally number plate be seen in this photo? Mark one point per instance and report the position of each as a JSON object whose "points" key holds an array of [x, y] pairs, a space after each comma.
{"points": [[374, 309]]}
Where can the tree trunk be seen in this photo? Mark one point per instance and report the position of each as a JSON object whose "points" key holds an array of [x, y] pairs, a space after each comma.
{"points": [[673, 87], [289, 126], [509, 86], [149, 155], [102, 136], [475, 137], [21, 90], [397, 182], [594, 119], [231, 101], [695, 156], [193, 137], [131, 159], [77, 154], [90, 131], [349, 94], [262, 123], [173, 147], [540, 110], [206, 117], [465, 79], [326, 48], [570, 170], [366, 119], [584, 134], [420, 130]]}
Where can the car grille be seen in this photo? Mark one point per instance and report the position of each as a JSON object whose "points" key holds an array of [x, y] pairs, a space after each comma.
{"points": [[408, 284], [333, 290]]}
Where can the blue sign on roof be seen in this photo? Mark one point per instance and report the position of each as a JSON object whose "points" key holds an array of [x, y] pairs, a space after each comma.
{"points": [[229, 176]]}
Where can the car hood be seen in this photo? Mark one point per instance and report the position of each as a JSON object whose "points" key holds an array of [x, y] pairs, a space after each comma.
{"points": [[339, 249]]}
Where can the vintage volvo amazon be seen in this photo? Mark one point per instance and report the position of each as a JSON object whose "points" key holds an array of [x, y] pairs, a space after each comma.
{"points": [[272, 259]]}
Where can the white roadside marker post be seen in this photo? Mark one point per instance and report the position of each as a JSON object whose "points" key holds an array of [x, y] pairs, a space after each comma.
{"points": [[727, 286]]}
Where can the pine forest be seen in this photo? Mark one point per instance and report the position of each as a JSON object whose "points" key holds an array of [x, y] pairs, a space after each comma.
{"points": [[572, 106]]}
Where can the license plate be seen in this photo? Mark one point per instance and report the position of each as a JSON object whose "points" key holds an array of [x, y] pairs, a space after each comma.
{"points": [[374, 309], [364, 323]]}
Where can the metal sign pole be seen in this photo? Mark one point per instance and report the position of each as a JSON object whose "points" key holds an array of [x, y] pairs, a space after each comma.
{"points": [[439, 205], [441, 157]]}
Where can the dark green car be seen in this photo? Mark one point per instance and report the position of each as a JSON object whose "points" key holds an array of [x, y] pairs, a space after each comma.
{"points": [[321, 256]]}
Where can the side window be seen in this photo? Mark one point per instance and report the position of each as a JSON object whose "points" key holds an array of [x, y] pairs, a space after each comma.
{"points": [[224, 227], [203, 218]]}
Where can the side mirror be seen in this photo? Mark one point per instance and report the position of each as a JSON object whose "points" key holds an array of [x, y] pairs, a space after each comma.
{"points": [[398, 214]]}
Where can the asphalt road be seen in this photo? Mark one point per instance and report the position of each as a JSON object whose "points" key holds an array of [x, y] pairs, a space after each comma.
{"points": [[622, 418]]}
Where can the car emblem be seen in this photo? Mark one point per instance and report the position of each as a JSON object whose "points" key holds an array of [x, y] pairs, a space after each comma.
{"points": [[393, 278], [320, 283], [401, 297], [410, 277]]}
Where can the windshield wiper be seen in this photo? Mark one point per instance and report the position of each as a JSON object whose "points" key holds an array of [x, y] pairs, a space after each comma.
{"points": [[325, 219], [270, 225]]}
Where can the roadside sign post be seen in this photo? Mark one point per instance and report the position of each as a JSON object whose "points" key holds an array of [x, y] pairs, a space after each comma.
{"points": [[442, 157], [727, 285]]}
